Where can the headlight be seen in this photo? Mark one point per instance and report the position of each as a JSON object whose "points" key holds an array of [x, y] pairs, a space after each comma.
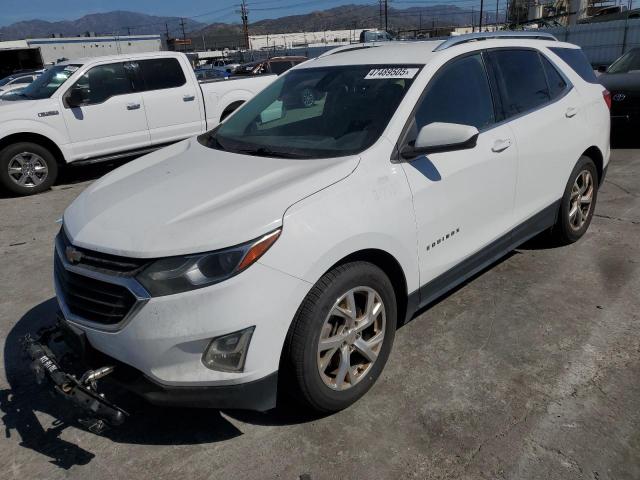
{"points": [[180, 274]]}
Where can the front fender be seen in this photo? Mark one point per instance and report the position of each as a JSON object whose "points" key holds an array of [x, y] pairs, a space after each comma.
{"points": [[370, 209], [32, 127]]}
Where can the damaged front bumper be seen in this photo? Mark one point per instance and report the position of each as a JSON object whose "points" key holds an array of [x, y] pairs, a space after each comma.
{"points": [[79, 389]]}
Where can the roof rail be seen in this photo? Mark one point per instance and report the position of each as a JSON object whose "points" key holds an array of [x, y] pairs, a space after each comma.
{"points": [[472, 37], [347, 48]]}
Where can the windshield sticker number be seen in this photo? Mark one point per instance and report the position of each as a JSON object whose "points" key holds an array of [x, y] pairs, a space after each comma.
{"points": [[393, 72]]}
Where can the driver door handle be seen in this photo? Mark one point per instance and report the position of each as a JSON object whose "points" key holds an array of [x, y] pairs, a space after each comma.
{"points": [[571, 112], [189, 98], [501, 145], [133, 106]]}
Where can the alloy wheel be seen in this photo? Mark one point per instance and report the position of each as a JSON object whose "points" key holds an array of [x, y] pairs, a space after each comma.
{"points": [[27, 169], [581, 199], [351, 338]]}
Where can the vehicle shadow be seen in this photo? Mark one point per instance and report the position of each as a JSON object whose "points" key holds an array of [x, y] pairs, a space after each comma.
{"points": [[23, 404]]}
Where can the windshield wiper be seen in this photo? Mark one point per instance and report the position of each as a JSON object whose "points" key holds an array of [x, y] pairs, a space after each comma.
{"points": [[267, 152]]}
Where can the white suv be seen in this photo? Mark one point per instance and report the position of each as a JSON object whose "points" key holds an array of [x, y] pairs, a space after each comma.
{"points": [[281, 250]]}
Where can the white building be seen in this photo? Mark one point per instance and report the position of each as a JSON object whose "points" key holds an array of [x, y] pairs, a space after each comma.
{"points": [[304, 39], [53, 49]]}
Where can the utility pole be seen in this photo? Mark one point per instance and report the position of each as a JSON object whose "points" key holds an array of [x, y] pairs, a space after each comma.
{"points": [[381, 13], [473, 24], [129, 31], [386, 15], [184, 35], [480, 22], [244, 15], [497, 3]]}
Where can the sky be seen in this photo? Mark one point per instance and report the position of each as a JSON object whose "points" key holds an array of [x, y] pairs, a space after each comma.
{"points": [[206, 11]]}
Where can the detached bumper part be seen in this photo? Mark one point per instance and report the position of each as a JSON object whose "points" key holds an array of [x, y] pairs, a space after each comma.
{"points": [[82, 393]]}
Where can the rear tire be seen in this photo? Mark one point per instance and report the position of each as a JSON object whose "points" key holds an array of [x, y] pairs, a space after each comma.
{"points": [[27, 168], [356, 342], [578, 203]]}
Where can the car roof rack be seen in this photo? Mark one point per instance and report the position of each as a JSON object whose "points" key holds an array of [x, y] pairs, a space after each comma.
{"points": [[348, 48], [472, 37]]}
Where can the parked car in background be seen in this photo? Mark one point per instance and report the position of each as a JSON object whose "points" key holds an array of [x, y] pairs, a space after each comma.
{"points": [[225, 65], [17, 81], [282, 249], [104, 108], [275, 65], [206, 74], [622, 79]]}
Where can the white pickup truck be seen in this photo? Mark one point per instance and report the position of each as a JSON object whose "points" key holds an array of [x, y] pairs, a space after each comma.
{"points": [[98, 109]]}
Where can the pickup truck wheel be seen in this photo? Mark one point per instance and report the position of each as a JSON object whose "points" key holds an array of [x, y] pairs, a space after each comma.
{"points": [[578, 203], [27, 168], [341, 337]]}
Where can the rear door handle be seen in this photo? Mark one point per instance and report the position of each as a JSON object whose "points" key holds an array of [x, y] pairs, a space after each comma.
{"points": [[571, 112], [501, 145], [133, 106], [188, 98]]}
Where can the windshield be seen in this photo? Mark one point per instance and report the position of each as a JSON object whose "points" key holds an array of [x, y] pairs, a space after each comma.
{"points": [[316, 113], [46, 84], [628, 62]]}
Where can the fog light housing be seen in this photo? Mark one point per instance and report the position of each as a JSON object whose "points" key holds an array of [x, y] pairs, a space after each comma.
{"points": [[228, 352]]}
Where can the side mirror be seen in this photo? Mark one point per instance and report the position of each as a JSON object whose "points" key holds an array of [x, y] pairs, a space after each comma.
{"points": [[75, 97], [441, 137]]}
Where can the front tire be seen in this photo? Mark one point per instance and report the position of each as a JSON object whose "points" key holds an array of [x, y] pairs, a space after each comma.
{"points": [[341, 337], [27, 168], [578, 202]]}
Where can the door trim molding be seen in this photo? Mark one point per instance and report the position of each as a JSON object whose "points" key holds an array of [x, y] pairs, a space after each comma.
{"points": [[470, 266]]}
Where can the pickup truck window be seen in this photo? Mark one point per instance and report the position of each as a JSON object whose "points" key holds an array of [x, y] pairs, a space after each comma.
{"points": [[103, 82], [161, 73], [46, 84], [316, 112]]}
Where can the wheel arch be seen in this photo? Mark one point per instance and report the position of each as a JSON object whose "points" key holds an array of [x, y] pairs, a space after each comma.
{"points": [[34, 138], [229, 109], [595, 154], [391, 267]]}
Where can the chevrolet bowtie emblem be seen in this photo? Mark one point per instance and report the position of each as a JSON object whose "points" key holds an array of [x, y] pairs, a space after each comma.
{"points": [[73, 255]]}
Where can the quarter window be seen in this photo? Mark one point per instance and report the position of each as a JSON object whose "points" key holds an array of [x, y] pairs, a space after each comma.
{"points": [[103, 82], [458, 94], [557, 85], [577, 60], [161, 73], [521, 80]]}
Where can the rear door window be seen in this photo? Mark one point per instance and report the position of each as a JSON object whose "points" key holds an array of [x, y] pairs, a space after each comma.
{"points": [[557, 84], [577, 60], [161, 73], [521, 80]]}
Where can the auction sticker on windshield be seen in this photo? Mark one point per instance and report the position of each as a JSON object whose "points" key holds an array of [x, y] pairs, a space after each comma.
{"points": [[391, 72]]}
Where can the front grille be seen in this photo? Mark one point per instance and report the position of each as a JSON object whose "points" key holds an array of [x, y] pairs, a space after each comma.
{"points": [[103, 262], [91, 299]]}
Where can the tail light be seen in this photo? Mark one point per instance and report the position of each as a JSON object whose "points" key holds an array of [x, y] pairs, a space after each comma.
{"points": [[606, 94]]}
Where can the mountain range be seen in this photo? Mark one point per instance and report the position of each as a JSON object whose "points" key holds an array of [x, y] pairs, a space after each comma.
{"points": [[343, 17]]}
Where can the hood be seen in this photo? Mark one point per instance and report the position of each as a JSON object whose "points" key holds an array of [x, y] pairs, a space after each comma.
{"points": [[616, 82], [21, 109], [188, 198]]}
